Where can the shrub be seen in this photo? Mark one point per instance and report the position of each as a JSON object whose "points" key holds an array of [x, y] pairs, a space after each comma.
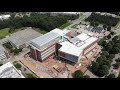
{"points": [[17, 65], [78, 74]]}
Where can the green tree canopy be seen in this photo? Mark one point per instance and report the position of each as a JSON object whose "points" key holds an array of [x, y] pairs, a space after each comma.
{"points": [[115, 50], [103, 70], [86, 76], [78, 74], [105, 53], [94, 67]]}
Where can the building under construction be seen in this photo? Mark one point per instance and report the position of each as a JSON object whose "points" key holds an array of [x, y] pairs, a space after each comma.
{"points": [[63, 44]]}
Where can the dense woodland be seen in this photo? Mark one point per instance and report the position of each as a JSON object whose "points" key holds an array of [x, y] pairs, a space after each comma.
{"points": [[42, 21], [102, 19]]}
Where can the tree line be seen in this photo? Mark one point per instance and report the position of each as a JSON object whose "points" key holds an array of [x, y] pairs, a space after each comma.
{"points": [[103, 63], [45, 22], [102, 19]]}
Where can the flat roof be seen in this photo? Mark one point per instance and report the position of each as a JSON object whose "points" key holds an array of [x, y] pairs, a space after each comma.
{"points": [[9, 71], [77, 44], [83, 37], [42, 40], [97, 29], [69, 48], [23, 36]]}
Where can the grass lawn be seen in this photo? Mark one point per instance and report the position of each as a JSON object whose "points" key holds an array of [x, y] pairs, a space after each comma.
{"points": [[40, 30], [4, 32], [65, 25]]}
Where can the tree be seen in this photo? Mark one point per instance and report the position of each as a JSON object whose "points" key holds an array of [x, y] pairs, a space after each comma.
{"points": [[100, 42], [108, 28], [92, 23], [111, 76], [16, 51], [94, 67], [117, 45], [86, 76], [17, 65], [111, 56], [108, 47], [103, 19], [115, 50], [109, 36], [104, 43], [105, 53], [96, 24], [112, 33], [103, 57], [115, 39], [103, 70], [104, 26], [78, 74], [99, 60], [112, 43]]}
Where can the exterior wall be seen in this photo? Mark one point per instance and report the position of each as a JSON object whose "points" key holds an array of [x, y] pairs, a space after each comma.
{"points": [[88, 48], [33, 53], [69, 57], [43, 55]]}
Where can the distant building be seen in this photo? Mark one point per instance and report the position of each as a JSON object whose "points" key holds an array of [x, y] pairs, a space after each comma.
{"points": [[95, 29], [58, 13], [75, 49], [2, 17], [3, 53], [9, 71]]}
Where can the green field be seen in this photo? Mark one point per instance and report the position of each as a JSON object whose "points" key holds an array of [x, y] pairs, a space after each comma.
{"points": [[65, 25], [4, 32]]}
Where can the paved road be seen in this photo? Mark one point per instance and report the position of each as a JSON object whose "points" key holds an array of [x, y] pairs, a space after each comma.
{"points": [[77, 21], [113, 62], [89, 73]]}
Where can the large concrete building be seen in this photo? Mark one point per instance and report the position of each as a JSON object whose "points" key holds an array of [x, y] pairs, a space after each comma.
{"points": [[61, 43], [9, 71], [44, 46], [82, 46]]}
